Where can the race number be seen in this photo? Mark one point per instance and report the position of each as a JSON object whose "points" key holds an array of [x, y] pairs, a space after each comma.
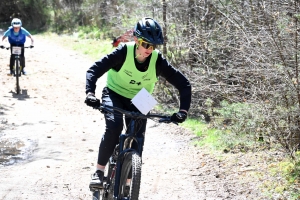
{"points": [[143, 101], [16, 50]]}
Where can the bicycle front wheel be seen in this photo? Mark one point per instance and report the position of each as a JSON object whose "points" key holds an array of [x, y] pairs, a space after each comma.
{"points": [[131, 170], [17, 76]]}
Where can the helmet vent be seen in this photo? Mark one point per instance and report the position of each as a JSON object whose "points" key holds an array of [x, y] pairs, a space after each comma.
{"points": [[147, 24]]}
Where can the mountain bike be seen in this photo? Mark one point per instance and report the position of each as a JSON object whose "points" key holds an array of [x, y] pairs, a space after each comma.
{"points": [[17, 66], [122, 177]]}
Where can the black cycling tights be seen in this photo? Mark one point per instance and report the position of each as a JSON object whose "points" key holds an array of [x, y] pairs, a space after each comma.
{"points": [[114, 124]]}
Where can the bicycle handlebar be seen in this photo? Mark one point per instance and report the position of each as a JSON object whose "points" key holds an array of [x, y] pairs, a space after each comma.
{"points": [[29, 47], [135, 115]]}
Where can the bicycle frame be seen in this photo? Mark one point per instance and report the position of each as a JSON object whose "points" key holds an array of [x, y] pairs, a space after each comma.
{"points": [[128, 142], [125, 145], [16, 51]]}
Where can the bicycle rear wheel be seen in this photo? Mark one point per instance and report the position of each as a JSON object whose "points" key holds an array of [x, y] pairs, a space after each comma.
{"points": [[131, 169]]}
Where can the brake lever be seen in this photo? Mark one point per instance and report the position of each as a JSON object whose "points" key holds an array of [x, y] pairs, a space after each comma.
{"points": [[104, 110], [166, 120]]}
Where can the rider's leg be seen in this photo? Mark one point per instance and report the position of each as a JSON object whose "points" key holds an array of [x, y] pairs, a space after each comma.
{"points": [[11, 64], [114, 126], [22, 62]]}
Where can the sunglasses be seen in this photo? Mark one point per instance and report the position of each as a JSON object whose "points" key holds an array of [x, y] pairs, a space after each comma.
{"points": [[16, 23], [146, 45]]}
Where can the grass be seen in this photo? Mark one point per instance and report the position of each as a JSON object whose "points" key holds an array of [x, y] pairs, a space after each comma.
{"points": [[286, 172], [93, 48], [289, 171], [208, 137], [216, 139]]}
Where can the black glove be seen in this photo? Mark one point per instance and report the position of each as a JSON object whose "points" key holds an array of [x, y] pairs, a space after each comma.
{"points": [[2, 47], [179, 117], [31, 46], [92, 101]]}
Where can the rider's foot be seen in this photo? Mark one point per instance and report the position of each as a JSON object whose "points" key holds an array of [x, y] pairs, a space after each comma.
{"points": [[97, 179], [12, 72], [24, 72]]}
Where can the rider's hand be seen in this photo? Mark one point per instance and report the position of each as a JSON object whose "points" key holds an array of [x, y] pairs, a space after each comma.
{"points": [[2, 47], [31, 46], [179, 117], [92, 101]]}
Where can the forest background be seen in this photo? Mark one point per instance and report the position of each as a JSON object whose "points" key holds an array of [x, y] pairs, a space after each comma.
{"points": [[242, 58]]}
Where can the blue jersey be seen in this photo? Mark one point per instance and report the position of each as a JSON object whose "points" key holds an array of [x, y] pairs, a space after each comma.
{"points": [[16, 38]]}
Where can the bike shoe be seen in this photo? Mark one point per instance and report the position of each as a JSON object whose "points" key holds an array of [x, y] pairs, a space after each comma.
{"points": [[24, 72], [97, 180], [12, 73]]}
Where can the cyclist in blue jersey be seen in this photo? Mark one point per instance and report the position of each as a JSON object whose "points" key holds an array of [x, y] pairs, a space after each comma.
{"points": [[131, 67], [17, 37]]}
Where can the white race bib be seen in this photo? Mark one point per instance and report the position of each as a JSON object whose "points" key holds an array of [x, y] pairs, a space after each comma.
{"points": [[16, 50], [143, 101]]}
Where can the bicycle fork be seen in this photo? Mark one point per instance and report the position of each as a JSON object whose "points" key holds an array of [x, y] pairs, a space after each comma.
{"points": [[16, 68]]}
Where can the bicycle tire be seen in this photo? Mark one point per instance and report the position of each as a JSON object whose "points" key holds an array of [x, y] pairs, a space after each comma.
{"points": [[17, 76], [131, 167]]}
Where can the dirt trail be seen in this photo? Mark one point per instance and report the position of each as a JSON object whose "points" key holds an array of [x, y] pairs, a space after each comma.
{"points": [[63, 135]]}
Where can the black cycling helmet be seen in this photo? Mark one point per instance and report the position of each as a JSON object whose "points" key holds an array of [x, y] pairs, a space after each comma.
{"points": [[149, 30]]}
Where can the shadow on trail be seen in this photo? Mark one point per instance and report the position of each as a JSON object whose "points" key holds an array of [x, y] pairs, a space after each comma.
{"points": [[22, 96], [3, 109]]}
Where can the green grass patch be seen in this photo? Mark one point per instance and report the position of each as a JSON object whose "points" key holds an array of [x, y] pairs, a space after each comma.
{"points": [[289, 170], [218, 139], [196, 126], [93, 48], [208, 137]]}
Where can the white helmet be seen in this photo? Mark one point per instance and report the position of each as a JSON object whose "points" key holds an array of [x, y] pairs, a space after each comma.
{"points": [[16, 22]]}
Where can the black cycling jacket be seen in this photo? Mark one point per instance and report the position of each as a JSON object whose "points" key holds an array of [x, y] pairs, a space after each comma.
{"points": [[164, 69]]}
